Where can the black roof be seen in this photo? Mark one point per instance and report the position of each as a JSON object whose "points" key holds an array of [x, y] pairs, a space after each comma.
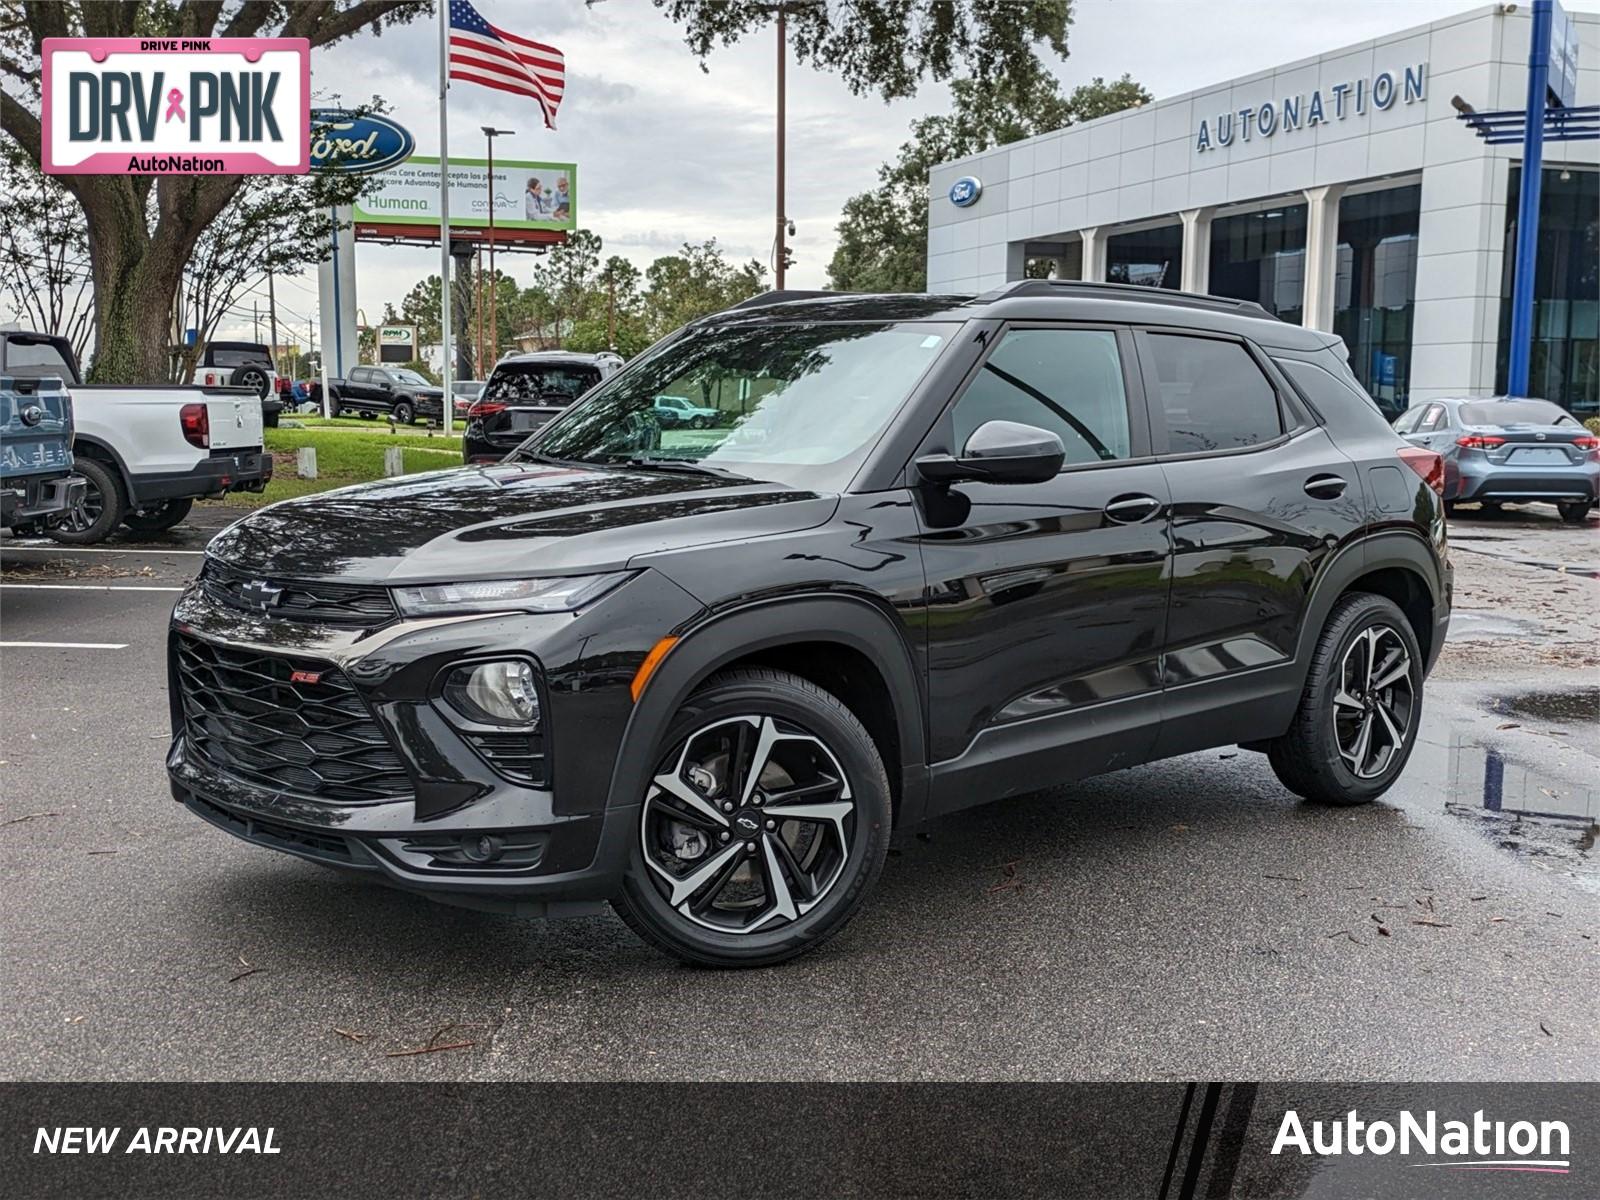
{"points": [[1035, 299]]}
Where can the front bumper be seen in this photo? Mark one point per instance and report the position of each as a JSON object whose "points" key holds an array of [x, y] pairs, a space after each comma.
{"points": [[35, 499], [560, 847]]}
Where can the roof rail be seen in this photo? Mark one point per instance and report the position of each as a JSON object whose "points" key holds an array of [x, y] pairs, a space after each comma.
{"points": [[762, 299], [1137, 292]]}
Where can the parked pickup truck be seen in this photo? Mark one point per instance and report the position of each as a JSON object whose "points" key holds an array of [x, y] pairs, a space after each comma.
{"points": [[37, 486], [399, 391], [146, 453]]}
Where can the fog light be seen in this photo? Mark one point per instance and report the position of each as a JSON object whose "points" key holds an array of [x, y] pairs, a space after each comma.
{"points": [[495, 693]]}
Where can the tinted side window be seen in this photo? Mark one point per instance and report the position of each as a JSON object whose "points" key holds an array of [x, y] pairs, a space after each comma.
{"points": [[239, 358], [1328, 392], [1068, 381], [1213, 394]]}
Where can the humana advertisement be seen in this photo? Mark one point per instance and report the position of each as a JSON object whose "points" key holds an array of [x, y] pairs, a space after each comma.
{"points": [[527, 195]]}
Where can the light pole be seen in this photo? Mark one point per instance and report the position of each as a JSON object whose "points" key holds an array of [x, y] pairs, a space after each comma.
{"points": [[490, 133], [780, 263]]}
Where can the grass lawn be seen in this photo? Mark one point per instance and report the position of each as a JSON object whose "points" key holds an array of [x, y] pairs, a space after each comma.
{"points": [[348, 452]]}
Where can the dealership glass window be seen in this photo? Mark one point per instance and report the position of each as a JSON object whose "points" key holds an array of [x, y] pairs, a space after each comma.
{"points": [[1375, 287], [1565, 366], [1213, 395], [1068, 381], [1152, 257], [1261, 256]]}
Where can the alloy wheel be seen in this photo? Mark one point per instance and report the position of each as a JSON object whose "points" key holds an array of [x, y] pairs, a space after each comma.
{"points": [[76, 520], [748, 825], [1375, 703]]}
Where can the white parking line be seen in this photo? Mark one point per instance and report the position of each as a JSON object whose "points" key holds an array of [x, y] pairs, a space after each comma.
{"points": [[63, 645], [92, 550], [85, 587]]}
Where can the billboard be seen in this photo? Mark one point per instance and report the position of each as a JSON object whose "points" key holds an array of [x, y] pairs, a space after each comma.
{"points": [[175, 106], [527, 195]]}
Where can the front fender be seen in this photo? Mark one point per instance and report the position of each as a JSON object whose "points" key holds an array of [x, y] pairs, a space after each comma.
{"points": [[722, 638]]}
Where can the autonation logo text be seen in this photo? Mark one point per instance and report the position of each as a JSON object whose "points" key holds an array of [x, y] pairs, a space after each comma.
{"points": [[1478, 1145]]}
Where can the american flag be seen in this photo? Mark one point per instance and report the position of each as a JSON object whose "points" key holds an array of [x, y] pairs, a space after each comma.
{"points": [[480, 53]]}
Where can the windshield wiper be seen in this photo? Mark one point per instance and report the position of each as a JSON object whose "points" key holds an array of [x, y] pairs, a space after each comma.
{"points": [[681, 466]]}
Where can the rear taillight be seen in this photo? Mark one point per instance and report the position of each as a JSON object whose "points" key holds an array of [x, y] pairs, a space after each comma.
{"points": [[484, 408], [196, 423], [1478, 441], [1426, 463], [1586, 443]]}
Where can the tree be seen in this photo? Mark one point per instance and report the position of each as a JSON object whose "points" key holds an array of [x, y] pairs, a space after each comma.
{"points": [[143, 229], [883, 236], [887, 48], [44, 253], [700, 281]]}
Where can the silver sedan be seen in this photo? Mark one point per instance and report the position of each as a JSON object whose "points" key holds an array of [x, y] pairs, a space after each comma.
{"points": [[1509, 450]]}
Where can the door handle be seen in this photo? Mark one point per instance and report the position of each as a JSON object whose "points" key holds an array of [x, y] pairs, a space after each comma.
{"points": [[1132, 509], [1326, 487]]}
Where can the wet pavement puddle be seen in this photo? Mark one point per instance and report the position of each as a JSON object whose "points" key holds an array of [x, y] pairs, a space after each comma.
{"points": [[1529, 789]]}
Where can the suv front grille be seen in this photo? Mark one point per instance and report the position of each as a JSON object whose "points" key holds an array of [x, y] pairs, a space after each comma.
{"points": [[357, 605], [246, 716]]}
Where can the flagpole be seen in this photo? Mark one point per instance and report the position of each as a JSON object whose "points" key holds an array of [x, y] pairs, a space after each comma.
{"points": [[448, 404]]}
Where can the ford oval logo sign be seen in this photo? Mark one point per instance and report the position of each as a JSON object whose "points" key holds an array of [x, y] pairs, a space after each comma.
{"points": [[965, 191], [357, 145]]}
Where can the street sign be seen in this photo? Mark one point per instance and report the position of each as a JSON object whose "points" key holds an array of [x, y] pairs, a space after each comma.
{"points": [[1563, 57]]}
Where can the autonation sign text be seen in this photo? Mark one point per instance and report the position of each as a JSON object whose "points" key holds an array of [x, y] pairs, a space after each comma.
{"points": [[1351, 98], [176, 106]]}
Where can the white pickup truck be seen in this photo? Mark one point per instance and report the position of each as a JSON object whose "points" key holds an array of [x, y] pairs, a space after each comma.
{"points": [[146, 453]]}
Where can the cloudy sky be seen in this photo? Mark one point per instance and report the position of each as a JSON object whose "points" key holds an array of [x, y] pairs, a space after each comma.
{"points": [[668, 153]]}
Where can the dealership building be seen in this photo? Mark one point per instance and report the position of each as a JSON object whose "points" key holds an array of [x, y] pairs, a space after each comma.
{"points": [[1339, 192]]}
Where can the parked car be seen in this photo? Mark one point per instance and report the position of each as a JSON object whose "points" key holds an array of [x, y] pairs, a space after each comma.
{"points": [[368, 391], [956, 550], [523, 392], [243, 364], [146, 453], [37, 484], [1509, 450], [679, 412], [464, 392]]}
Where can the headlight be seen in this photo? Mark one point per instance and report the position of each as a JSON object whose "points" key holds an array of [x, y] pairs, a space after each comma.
{"points": [[505, 595], [495, 693]]}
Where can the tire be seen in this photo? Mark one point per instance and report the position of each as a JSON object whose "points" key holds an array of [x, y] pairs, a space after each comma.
{"points": [[103, 509], [160, 518], [1574, 513], [333, 406], [700, 423], [1314, 758], [253, 377], [404, 414], [826, 862]]}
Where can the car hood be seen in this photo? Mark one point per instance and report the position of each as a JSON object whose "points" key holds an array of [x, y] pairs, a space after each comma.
{"points": [[506, 520]]}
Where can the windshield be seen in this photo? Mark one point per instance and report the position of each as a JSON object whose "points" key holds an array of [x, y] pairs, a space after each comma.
{"points": [[785, 398], [1513, 412], [540, 383], [405, 376]]}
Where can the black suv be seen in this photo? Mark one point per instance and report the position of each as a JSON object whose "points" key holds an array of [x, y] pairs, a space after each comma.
{"points": [[943, 550]]}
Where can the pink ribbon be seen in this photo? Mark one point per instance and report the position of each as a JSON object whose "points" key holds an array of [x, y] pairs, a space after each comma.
{"points": [[175, 105]]}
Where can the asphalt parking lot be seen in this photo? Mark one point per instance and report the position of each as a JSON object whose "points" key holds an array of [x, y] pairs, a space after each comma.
{"points": [[1187, 919]]}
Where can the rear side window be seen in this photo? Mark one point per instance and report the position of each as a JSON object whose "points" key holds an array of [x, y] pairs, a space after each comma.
{"points": [[1068, 381], [1213, 395], [239, 358], [1434, 418], [35, 360]]}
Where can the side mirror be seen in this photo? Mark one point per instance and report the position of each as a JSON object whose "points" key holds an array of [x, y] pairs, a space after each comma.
{"points": [[999, 452]]}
